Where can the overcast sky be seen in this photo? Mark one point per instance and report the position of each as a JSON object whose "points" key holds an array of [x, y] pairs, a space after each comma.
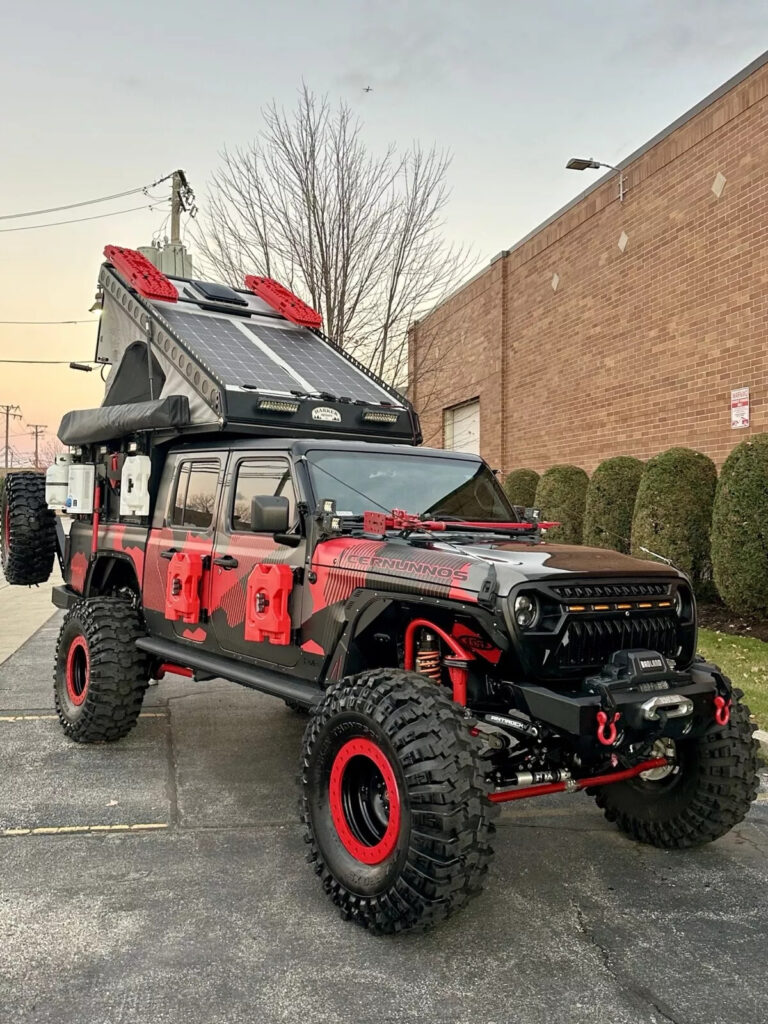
{"points": [[103, 97]]}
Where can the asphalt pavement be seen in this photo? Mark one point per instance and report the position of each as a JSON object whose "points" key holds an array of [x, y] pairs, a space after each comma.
{"points": [[163, 879]]}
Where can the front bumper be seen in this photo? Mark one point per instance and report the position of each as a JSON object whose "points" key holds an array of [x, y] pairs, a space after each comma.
{"points": [[639, 703]]}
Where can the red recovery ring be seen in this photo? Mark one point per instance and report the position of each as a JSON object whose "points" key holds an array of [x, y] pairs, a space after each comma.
{"points": [[78, 670], [350, 806]]}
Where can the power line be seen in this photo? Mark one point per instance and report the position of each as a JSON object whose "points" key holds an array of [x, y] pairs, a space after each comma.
{"points": [[77, 220], [39, 323], [48, 362], [86, 202]]}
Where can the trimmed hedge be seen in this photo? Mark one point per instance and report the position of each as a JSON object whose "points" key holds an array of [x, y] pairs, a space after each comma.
{"points": [[561, 495], [740, 528], [520, 487], [673, 513], [611, 503]]}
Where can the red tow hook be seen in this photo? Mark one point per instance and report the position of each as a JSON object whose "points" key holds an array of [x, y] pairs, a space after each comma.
{"points": [[722, 710], [607, 732]]}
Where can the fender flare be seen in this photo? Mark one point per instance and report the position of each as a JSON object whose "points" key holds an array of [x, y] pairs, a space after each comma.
{"points": [[363, 607], [106, 560]]}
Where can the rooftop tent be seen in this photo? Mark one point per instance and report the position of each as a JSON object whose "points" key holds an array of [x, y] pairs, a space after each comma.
{"points": [[246, 361]]}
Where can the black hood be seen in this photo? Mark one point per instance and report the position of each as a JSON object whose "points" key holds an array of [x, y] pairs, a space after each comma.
{"points": [[518, 561]]}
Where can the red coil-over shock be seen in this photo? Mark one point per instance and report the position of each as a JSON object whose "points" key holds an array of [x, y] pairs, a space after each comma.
{"points": [[457, 663], [427, 661]]}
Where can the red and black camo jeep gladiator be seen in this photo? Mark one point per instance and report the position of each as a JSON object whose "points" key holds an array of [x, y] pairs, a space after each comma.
{"points": [[249, 503]]}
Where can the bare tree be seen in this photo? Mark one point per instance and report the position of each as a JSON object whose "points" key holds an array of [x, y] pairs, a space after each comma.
{"points": [[49, 450], [358, 236]]}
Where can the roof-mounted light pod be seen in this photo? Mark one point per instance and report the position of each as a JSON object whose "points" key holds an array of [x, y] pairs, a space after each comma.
{"points": [[379, 416], [285, 405]]}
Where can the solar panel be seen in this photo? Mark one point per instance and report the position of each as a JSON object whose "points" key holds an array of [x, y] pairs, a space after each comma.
{"points": [[228, 353], [321, 366], [309, 363]]}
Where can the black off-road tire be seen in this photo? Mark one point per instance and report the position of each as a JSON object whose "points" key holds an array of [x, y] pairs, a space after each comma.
{"points": [[439, 812], [27, 530], [99, 676], [712, 792]]}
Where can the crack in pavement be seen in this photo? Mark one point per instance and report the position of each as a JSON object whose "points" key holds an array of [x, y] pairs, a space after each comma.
{"points": [[739, 834], [172, 786], [624, 984]]}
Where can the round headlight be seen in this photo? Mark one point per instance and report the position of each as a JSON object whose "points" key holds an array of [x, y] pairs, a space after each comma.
{"points": [[678, 604], [526, 611]]}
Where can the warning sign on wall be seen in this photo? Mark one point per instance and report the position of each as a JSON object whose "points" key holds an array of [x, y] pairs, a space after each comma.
{"points": [[739, 408]]}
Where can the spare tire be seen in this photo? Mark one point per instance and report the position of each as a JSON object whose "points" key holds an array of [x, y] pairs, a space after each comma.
{"points": [[27, 530]]}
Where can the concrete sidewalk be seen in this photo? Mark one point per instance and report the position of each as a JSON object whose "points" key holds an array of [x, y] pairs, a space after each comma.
{"points": [[23, 610]]}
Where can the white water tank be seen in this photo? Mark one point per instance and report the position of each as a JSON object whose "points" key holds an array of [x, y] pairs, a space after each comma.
{"points": [[57, 482], [80, 489], [134, 486]]}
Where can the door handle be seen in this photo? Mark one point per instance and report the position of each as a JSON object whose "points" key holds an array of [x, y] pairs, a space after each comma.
{"points": [[169, 553], [226, 562]]}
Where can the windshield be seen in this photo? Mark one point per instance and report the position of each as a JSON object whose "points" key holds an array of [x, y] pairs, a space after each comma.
{"points": [[420, 484]]}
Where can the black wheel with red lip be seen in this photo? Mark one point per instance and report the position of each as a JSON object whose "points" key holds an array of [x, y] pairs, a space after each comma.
{"points": [[100, 675], [394, 801]]}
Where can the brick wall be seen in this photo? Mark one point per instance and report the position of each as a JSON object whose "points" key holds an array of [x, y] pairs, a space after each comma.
{"points": [[636, 350]]}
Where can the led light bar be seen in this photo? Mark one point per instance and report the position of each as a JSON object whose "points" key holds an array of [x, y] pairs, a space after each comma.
{"points": [[285, 405], [619, 607], [379, 416]]}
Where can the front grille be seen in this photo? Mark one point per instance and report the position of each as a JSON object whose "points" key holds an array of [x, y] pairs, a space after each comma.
{"points": [[605, 591], [591, 642]]}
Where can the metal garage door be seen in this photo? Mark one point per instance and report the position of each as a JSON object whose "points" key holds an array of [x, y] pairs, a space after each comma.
{"points": [[461, 428]]}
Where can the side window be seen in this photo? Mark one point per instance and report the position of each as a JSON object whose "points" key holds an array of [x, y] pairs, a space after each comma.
{"points": [[195, 500], [261, 477], [177, 516]]}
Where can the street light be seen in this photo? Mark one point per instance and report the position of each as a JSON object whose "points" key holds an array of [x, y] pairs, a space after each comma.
{"points": [[577, 163]]}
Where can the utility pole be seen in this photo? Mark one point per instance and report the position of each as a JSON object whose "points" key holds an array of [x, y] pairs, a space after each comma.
{"points": [[10, 412], [36, 429], [178, 183]]}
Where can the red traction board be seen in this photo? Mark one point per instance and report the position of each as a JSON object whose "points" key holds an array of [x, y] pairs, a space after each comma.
{"points": [[142, 275], [285, 302]]}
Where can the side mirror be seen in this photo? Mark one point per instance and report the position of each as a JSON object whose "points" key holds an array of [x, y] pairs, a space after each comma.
{"points": [[269, 514]]}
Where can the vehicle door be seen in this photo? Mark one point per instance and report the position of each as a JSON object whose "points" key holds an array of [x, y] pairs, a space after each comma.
{"points": [[180, 547], [254, 597]]}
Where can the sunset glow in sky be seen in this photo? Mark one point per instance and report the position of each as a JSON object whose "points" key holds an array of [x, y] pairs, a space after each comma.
{"points": [[100, 98]]}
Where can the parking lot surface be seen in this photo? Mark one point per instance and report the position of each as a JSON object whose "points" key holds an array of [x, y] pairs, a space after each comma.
{"points": [[163, 879]]}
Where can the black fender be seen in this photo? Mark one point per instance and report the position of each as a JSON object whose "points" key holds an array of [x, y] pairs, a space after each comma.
{"points": [[106, 572], [109, 570], [364, 607]]}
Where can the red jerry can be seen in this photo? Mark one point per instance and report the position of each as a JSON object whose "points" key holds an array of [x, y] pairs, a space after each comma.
{"points": [[182, 587], [266, 604]]}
